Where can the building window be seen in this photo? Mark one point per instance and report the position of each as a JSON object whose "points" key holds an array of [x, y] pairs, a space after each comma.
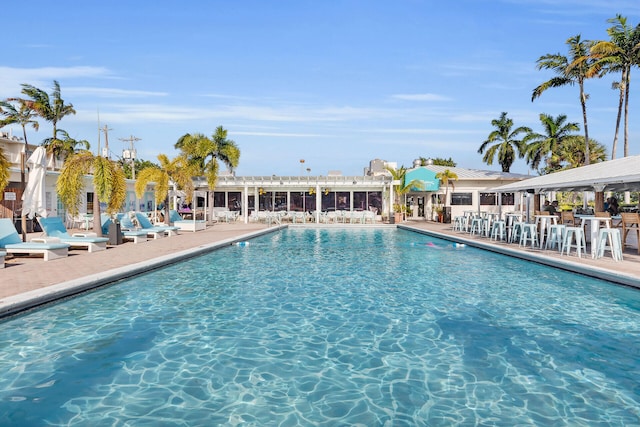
{"points": [[508, 199], [280, 203], [235, 200], [488, 199], [461, 199], [218, 199], [343, 201], [374, 200], [359, 200], [329, 201]]}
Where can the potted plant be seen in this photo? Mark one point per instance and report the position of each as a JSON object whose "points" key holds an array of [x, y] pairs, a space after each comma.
{"points": [[440, 213]]}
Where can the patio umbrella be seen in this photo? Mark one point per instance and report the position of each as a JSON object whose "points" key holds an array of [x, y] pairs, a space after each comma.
{"points": [[33, 198]]}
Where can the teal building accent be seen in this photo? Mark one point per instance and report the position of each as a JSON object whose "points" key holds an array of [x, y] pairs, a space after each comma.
{"points": [[428, 177]]}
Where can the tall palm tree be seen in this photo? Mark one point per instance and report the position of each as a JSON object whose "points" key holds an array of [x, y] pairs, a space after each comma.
{"points": [[52, 107], [619, 55], [206, 153], [4, 172], [571, 70], [506, 145], [176, 170], [17, 111], [447, 178], [64, 146], [108, 181], [548, 145]]}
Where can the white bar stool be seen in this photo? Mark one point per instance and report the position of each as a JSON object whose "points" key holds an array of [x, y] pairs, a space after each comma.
{"points": [[529, 234], [611, 236], [516, 231], [556, 236], [476, 226], [574, 234], [498, 230]]}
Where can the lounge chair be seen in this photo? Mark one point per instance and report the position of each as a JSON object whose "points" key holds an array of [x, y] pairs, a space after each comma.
{"points": [[155, 230], [185, 224], [11, 243], [135, 236], [54, 227]]}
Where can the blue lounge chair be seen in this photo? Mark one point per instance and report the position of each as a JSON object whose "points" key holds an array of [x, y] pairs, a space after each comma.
{"points": [[155, 230], [54, 227], [185, 224], [11, 243], [135, 236]]}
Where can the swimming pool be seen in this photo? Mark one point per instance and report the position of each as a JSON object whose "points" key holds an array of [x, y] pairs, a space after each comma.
{"points": [[331, 327]]}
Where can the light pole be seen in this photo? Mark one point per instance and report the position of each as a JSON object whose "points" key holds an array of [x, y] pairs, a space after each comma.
{"points": [[130, 154]]}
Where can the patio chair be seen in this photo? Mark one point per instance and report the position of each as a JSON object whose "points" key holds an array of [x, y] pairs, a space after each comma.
{"points": [[54, 227], [567, 218], [135, 236], [630, 224], [11, 243]]}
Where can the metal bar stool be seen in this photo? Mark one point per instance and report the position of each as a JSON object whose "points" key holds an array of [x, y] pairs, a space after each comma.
{"points": [[529, 234], [611, 236], [556, 236], [574, 234], [498, 230]]}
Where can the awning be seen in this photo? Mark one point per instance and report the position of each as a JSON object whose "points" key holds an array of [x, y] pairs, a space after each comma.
{"points": [[614, 175]]}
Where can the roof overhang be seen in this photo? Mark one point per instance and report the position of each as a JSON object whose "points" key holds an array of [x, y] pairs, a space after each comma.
{"points": [[614, 175]]}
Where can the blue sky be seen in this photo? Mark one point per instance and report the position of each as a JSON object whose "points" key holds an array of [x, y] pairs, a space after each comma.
{"points": [[336, 83]]}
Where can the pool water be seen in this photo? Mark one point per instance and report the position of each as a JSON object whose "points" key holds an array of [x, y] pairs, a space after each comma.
{"points": [[331, 327]]}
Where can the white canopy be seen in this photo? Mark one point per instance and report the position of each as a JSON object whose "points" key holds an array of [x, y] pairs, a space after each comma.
{"points": [[614, 175]]}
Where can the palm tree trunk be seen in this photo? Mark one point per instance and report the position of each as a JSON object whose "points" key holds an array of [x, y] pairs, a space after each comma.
{"points": [[620, 103], [626, 112], [583, 102]]}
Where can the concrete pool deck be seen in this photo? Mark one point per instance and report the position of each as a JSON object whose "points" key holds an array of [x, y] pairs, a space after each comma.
{"points": [[31, 281]]}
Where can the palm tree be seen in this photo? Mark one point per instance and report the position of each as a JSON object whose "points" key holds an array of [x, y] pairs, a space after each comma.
{"points": [[65, 146], [50, 107], [402, 188], [23, 115], [506, 143], [206, 153], [176, 170], [548, 145], [447, 178], [575, 69], [108, 181], [4, 172], [571, 153], [618, 55]]}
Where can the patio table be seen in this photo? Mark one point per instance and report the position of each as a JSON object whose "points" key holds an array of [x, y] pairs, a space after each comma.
{"points": [[594, 226]]}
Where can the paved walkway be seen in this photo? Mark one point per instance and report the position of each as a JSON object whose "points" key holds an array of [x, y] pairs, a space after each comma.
{"points": [[626, 272], [25, 280]]}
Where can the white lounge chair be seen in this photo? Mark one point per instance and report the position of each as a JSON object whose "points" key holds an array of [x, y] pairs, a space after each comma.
{"points": [[11, 243], [54, 227]]}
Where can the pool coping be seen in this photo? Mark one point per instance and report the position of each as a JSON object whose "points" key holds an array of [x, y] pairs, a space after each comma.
{"points": [[567, 265], [13, 305]]}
